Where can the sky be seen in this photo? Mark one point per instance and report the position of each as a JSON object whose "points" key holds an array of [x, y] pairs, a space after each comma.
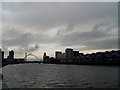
{"points": [[38, 27]]}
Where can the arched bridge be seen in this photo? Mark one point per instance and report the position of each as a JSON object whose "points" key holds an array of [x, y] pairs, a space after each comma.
{"points": [[26, 55]]}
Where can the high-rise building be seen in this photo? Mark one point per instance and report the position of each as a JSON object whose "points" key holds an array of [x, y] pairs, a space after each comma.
{"points": [[69, 54], [45, 58], [11, 56]]}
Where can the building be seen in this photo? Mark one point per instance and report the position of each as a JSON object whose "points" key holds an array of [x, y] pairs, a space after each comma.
{"points": [[58, 55], [63, 58], [46, 58], [76, 55], [1, 56], [69, 54], [11, 56]]}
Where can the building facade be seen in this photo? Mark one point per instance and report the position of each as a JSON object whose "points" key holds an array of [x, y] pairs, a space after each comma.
{"points": [[11, 56], [58, 55], [69, 54], [46, 58]]}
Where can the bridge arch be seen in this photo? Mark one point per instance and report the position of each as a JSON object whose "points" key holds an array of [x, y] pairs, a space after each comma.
{"points": [[26, 55]]}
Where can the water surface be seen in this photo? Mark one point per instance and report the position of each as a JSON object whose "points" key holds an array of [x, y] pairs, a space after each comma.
{"points": [[60, 76]]}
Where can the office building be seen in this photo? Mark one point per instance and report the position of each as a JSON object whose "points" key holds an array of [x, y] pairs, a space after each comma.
{"points": [[69, 54], [58, 55], [11, 56]]}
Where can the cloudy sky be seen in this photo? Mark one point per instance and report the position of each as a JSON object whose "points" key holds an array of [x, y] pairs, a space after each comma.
{"points": [[38, 27]]}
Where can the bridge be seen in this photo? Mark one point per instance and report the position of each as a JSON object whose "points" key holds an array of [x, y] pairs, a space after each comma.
{"points": [[26, 55], [23, 60], [30, 54]]}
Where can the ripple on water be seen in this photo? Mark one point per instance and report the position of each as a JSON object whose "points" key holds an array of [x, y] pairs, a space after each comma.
{"points": [[60, 76], [104, 82]]}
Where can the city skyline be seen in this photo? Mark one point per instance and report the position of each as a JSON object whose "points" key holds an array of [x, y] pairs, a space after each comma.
{"points": [[69, 56], [48, 27]]}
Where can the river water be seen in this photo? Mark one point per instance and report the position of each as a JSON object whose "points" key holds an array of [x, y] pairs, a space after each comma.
{"points": [[60, 76]]}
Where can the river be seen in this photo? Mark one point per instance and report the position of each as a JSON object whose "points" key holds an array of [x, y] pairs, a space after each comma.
{"points": [[60, 76]]}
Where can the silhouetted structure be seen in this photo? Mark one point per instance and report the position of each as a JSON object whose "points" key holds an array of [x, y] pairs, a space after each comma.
{"points": [[58, 55], [11, 60], [48, 59], [74, 57], [45, 58], [30, 54], [0, 57], [11, 56], [2, 60], [69, 55]]}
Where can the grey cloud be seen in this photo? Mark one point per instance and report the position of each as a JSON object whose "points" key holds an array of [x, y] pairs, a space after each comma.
{"points": [[69, 28], [11, 32], [16, 37], [98, 33], [5, 49], [40, 18], [111, 43], [105, 27], [20, 51], [22, 40], [56, 14], [31, 48]]}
